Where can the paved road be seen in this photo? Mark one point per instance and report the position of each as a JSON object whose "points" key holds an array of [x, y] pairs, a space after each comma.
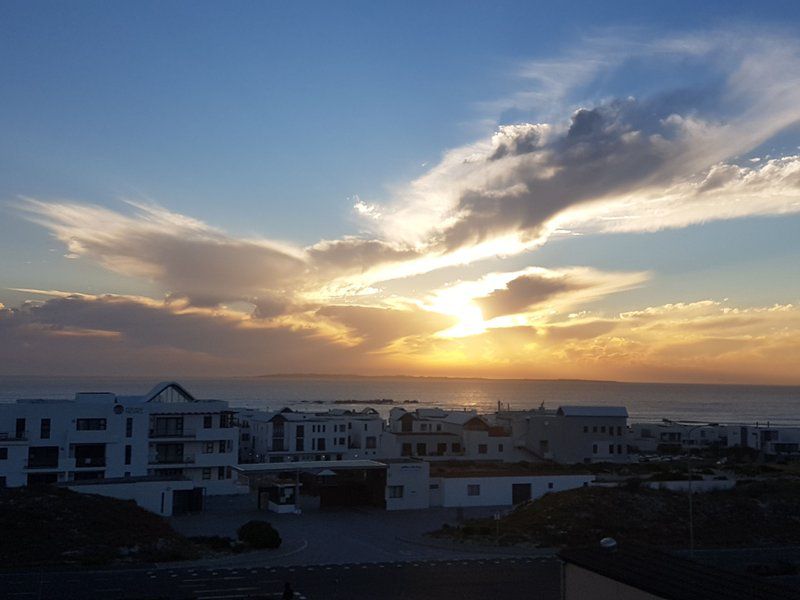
{"points": [[477, 579]]}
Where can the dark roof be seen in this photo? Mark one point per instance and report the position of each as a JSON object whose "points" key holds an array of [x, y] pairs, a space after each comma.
{"points": [[671, 577]]}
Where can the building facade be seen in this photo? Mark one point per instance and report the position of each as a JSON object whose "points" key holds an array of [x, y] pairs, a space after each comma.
{"points": [[102, 437]]}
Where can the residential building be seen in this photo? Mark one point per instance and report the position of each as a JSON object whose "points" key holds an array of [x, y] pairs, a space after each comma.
{"points": [[102, 438], [288, 435], [676, 437], [437, 434], [570, 434]]}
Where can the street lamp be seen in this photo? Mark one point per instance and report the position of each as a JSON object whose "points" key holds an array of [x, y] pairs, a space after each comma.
{"points": [[689, 473]]}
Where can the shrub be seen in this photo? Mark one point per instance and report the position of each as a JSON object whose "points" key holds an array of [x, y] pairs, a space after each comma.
{"points": [[259, 534]]}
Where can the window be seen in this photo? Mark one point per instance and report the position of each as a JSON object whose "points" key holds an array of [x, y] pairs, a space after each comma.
{"points": [[228, 472], [208, 448], [245, 437], [603, 429], [222, 446], [456, 446], [365, 426], [594, 448], [473, 489], [422, 449], [549, 485], [619, 430], [395, 491], [341, 441], [372, 442], [208, 422], [2, 482], [544, 446], [207, 473], [438, 427], [220, 472], [482, 449], [226, 420], [594, 429], [20, 429], [128, 452], [321, 444], [434, 486], [406, 450], [585, 429], [44, 429], [619, 448], [129, 427], [499, 447], [441, 449], [3, 453], [90, 424], [423, 427], [611, 448]]}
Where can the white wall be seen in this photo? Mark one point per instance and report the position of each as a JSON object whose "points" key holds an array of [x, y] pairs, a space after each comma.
{"points": [[147, 494], [496, 491], [413, 476]]}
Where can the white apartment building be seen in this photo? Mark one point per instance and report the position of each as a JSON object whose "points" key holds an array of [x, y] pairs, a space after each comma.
{"points": [[105, 439], [570, 434], [291, 436], [655, 437]]}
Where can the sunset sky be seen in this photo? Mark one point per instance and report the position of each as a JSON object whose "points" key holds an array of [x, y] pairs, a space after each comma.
{"points": [[598, 190]]}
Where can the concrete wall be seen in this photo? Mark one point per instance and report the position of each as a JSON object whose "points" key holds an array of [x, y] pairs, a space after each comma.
{"points": [[582, 584], [413, 476], [155, 496], [497, 491]]}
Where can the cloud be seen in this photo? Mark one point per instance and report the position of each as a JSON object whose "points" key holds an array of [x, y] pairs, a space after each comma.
{"points": [[375, 327], [524, 292], [188, 258]]}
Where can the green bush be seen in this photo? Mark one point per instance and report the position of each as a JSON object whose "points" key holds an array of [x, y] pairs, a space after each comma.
{"points": [[259, 534]]}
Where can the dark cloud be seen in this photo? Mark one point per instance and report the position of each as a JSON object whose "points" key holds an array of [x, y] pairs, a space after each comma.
{"points": [[377, 327], [525, 292], [580, 331]]}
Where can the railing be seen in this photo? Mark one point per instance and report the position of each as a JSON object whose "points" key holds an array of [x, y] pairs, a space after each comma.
{"points": [[41, 464], [184, 433], [88, 463], [17, 435], [171, 460]]}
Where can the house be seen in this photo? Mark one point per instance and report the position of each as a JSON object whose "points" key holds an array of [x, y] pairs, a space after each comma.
{"points": [[437, 434], [635, 572], [166, 441], [676, 437], [570, 434], [288, 435]]}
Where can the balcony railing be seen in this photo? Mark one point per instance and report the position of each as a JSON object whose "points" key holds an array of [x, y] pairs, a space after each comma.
{"points": [[41, 464], [171, 460], [20, 436], [163, 433], [89, 463]]}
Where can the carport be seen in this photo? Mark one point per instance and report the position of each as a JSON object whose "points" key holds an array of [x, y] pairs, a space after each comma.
{"points": [[333, 482]]}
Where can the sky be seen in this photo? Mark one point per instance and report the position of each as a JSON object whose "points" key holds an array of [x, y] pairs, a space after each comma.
{"points": [[506, 189]]}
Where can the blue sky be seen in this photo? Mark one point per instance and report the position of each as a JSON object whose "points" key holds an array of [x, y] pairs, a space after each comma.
{"points": [[269, 121]]}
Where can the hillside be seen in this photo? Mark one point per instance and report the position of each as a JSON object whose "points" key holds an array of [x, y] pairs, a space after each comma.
{"points": [[752, 514], [45, 526]]}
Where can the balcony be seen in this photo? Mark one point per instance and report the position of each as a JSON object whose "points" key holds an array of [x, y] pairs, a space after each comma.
{"points": [[171, 460], [11, 436], [90, 462], [41, 464], [163, 434]]}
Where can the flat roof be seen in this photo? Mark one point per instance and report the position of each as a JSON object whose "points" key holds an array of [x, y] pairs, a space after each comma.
{"points": [[308, 465], [671, 577]]}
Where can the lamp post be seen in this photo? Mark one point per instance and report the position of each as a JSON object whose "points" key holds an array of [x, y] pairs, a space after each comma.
{"points": [[689, 473]]}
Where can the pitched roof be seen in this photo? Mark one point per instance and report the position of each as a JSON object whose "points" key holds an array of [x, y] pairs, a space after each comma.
{"points": [[671, 577], [593, 411]]}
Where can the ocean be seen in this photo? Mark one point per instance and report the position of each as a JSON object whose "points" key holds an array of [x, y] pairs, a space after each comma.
{"points": [[779, 405]]}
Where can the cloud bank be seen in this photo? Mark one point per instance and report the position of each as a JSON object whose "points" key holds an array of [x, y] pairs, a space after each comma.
{"points": [[588, 161]]}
